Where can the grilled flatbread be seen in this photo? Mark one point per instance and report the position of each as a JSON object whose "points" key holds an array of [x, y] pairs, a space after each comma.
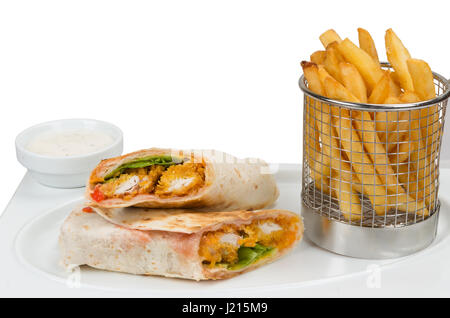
{"points": [[164, 178], [177, 243]]}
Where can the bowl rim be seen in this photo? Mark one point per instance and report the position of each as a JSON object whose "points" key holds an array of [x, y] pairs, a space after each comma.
{"points": [[117, 141]]}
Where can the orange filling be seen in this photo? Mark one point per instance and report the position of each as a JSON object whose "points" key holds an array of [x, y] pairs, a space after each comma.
{"points": [[180, 180], [176, 180], [221, 247]]}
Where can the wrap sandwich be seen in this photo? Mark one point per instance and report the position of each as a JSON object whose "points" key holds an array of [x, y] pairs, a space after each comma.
{"points": [[165, 178], [177, 243]]}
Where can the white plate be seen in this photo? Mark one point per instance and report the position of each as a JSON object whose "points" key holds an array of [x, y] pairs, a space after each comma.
{"points": [[308, 270]]}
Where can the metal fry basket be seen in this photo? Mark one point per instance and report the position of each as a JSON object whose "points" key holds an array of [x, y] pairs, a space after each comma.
{"points": [[370, 177]]}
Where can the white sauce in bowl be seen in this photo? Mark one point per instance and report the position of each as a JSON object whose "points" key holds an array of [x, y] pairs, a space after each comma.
{"points": [[69, 143]]}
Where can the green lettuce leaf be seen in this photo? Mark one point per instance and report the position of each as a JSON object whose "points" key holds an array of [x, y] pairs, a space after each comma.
{"points": [[249, 255], [144, 162]]}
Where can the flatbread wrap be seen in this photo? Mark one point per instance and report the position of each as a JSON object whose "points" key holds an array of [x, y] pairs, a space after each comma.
{"points": [[174, 243], [165, 178]]}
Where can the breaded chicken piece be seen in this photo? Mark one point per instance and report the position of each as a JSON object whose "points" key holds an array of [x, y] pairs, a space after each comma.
{"points": [[132, 182], [222, 246], [181, 179], [148, 182]]}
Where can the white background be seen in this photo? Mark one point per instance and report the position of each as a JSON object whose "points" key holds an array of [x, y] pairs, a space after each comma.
{"points": [[185, 74]]}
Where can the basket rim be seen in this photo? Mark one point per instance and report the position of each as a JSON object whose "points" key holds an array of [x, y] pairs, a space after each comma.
{"points": [[382, 107]]}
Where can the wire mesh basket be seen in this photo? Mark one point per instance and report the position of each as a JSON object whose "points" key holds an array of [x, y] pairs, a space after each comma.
{"points": [[370, 176]]}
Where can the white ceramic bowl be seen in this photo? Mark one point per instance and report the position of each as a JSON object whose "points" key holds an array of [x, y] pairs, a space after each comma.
{"points": [[66, 172]]}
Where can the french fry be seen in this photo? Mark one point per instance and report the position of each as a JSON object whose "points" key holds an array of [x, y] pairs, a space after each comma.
{"points": [[320, 165], [313, 151], [369, 70], [326, 127], [336, 90], [392, 100], [393, 127], [349, 203], [418, 157], [334, 45], [353, 81], [375, 149], [384, 123], [318, 57], [407, 181], [341, 181], [410, 182], [372, 191], [395, 78], [409, 97], [394, 88], [401, 152], [417, 163], [367, 44], [311, 72], [329, 36], [397, 55], [371, 183], [399, 144], [423, 81], [422, 78], [398, 131], [381, 90], [412, 119], [332, 60]]}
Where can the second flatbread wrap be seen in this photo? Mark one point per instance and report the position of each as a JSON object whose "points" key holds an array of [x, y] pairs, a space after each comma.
{"points": [[165, 178], [177, 243]]}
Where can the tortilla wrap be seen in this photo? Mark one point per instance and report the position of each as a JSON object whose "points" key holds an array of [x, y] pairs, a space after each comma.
{"points": [[167, 243], [230, 183]]}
